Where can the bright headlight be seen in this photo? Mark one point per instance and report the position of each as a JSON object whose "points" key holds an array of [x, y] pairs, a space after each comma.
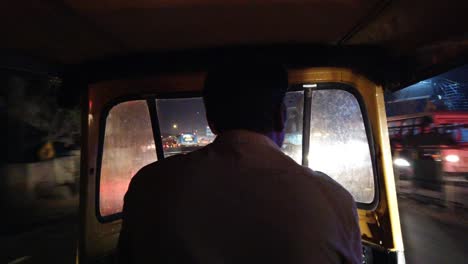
{"points": [[401, 162], [452, 158]]}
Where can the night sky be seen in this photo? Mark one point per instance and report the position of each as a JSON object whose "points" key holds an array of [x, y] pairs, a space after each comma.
{"points": [[188, 114]]}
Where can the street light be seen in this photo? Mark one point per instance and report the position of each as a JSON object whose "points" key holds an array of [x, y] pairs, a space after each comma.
{"points": [[174, 126]]}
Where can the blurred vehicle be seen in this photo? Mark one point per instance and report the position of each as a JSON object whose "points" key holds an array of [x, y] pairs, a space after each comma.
{"points": [[187, 140], [169, 142], [440, 136], [203, 141]]}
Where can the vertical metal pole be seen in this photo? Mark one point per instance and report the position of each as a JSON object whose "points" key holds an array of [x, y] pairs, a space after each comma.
{"points": [[306, 126], [156, 129]]}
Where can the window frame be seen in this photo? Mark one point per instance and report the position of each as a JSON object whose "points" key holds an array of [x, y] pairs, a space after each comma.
{"points": [[367, 126], [153, 112], [102, 131], [150, 101]]}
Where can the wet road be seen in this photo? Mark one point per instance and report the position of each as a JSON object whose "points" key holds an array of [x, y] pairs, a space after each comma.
{"points": [[51, 243], [45, 233], [433, 234]]}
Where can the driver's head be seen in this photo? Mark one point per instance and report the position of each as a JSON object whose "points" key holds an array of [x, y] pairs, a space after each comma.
{"points": [[247, 96]]}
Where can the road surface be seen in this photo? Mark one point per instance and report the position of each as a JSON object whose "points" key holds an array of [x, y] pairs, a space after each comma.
{"points": [[431, 235]]}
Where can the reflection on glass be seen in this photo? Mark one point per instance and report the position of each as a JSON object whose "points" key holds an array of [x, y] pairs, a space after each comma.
{"points": [[338, 142], [183, 125], [128, 146], [292, 146]]}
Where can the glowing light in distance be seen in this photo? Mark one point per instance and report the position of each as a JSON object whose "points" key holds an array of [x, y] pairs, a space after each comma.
{"points": [[401, 162], [452, 158]]}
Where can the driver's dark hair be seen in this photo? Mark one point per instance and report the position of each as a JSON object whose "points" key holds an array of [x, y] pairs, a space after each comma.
{"points": [[245, 95]]}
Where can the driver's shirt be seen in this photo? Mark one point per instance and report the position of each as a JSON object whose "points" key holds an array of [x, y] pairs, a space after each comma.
{"points": [[237, 200]]}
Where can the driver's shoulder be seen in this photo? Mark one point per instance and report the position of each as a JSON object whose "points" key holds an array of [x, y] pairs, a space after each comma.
{"points": [[328, 186], [165, 170]]}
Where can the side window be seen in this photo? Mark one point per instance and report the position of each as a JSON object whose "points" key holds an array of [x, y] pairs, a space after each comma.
{"points": [[183, 125], [339, 145], [437, 179], [128, 146]]}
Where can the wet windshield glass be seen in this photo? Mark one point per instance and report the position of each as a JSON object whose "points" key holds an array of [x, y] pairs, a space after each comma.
{"points": [[128, 146], [338, 142], [183, 125]]}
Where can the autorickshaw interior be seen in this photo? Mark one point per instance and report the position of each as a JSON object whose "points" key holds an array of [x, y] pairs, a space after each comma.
{"points": [[127, 77]]}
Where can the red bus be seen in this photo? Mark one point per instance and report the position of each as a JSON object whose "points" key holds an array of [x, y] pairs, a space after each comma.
{"points": [[441, 136]]}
